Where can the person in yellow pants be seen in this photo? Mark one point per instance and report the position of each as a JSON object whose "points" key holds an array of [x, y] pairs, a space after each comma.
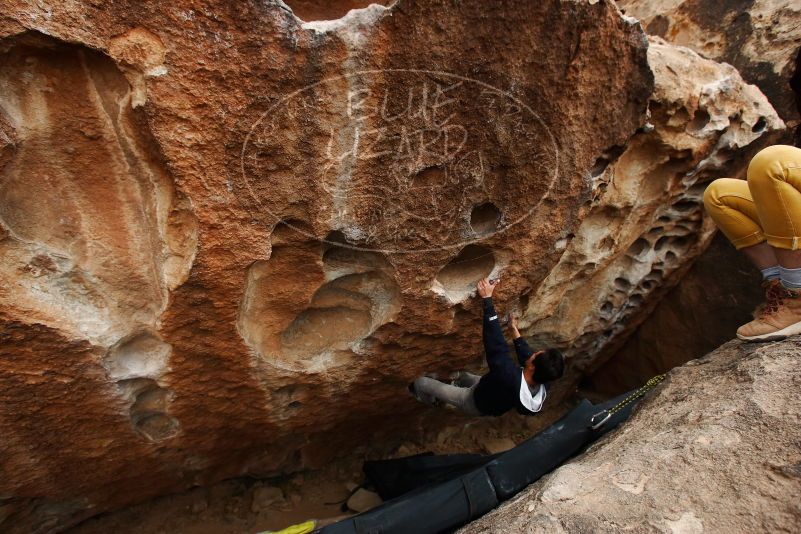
{"points": [[762, 219]]}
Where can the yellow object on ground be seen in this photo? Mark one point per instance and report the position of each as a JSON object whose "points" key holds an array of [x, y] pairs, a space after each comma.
{"points": [[300, 528]]}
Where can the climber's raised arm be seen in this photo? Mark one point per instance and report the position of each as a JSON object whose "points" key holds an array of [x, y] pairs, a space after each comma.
{"points": [[522, 348], [495, 347]]}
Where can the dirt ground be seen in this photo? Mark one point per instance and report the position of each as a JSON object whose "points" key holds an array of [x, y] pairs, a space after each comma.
{"points": [[238, 506]]}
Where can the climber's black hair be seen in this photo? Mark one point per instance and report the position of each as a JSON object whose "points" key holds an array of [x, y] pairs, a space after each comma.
{"points": [[548, 366]]}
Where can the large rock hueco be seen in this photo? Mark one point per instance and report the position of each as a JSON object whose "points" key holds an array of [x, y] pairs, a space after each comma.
{"points": [[230, 237], [713, 449]]}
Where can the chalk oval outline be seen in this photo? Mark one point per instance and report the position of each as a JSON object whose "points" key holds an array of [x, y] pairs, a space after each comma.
{"points": [[459, 244]]}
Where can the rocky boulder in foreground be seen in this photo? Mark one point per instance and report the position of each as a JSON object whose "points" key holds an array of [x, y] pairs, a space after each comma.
{"points": [[716, 448]]}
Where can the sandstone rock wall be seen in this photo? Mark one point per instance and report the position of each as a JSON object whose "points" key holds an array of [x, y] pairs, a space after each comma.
{"points": [[703, 311], [760, 38], [647, 220], [714, 449], [230, 236]]}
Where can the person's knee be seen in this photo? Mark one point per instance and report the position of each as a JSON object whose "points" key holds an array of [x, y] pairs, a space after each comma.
{"points": [[766, 165], [426, 384], [712, 194], [421, 380]]}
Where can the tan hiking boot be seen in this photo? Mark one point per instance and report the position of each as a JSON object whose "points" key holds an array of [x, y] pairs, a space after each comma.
{"points": [[769, 287], [780, 317]]}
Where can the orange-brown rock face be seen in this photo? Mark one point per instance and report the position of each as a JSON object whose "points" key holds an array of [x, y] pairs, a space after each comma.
{"points": [[229, 237]]}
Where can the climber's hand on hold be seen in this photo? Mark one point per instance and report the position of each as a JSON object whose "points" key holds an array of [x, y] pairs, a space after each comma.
{"points": [[513, 322], [485, 287]]}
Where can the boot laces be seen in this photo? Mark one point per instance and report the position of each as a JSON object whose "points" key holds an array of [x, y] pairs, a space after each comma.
{"points": [[776, 296]]}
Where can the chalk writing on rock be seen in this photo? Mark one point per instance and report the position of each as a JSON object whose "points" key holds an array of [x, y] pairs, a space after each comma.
{"points": [[398, 159]]}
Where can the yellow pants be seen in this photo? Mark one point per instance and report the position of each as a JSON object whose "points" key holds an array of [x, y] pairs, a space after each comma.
{"points": [[766, 207]]}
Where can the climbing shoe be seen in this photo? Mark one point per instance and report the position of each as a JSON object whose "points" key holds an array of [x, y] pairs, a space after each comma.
{"points": [[422, 397], [779, 318]]}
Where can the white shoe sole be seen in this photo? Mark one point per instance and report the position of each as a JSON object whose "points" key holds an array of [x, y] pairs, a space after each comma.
{"points": [[778, 335]]}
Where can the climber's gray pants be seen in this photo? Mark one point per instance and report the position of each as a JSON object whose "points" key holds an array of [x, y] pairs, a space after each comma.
{"points": [[459, 396]]}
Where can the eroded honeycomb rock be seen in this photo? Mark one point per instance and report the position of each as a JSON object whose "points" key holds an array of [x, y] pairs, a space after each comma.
{"points": [[646, 218]]}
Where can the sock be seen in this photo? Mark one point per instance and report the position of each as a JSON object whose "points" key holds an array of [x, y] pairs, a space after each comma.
{"points": [[771, 273], [791, 278]]}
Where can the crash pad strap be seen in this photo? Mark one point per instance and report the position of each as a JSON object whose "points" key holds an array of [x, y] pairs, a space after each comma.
{"points": [[598, 420], [651, 384]]}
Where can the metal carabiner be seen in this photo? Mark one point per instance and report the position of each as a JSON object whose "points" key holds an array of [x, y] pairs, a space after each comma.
{"points": [[596, 425]]}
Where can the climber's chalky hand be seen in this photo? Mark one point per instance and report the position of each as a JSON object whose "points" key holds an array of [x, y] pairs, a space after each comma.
{"points": [[485, 288], [512, 321]]}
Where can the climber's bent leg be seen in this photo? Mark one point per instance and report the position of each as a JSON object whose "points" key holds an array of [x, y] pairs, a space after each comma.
{"points": [[731, 206], [466, 380], [460, 398]]}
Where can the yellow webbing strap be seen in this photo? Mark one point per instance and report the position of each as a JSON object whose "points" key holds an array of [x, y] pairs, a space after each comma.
{"points": [[597, 420], [651, 384], [300, 528]]}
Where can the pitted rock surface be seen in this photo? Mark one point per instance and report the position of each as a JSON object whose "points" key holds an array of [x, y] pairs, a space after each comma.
{"points": [[713, 449], [646, 218], [760, 38]]}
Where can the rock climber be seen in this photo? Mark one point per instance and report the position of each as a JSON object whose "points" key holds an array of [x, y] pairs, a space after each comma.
{"points": [[761, 216], [506, 385]]}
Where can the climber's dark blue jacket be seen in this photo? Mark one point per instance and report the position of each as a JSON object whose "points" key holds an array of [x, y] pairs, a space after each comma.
{"points": [[499, 390]]}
